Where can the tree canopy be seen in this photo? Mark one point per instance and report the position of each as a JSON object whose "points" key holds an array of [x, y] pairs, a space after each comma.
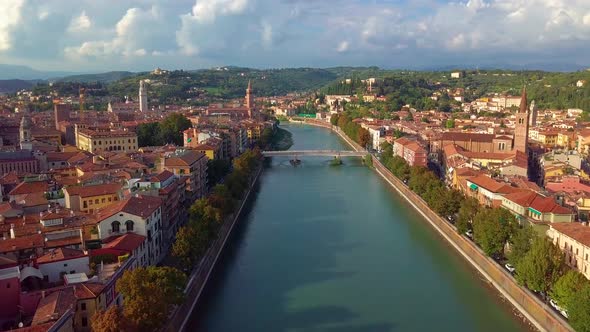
{"points": [[149, 293], [542, 265]]}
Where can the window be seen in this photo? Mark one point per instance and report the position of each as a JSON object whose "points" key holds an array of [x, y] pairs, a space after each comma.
{"points": [[84, 321], [96, 201], [129, 225], [83, 306], [85, 204], [103, 200], [8, 285], [149, 236], [115, 226]]}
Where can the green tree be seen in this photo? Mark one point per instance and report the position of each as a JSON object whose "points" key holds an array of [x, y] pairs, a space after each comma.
{"points": [[491, 230], [541, 266], [149, 134], [520, 243], [450, 123], [111, 320], [579, 314], [172, 127], [216, 170], [149, 294], [565, 288], [266, 137], [334, 119], [467, 212]]}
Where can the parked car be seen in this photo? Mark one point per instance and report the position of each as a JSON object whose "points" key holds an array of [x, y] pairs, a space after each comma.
{"points": [[510, 268], [558, 308], [469, 234]]}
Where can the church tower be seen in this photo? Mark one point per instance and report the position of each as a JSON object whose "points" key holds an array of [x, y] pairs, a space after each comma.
{"points": [[25, 133], [249, 100], [521, 128], [143, 101]]}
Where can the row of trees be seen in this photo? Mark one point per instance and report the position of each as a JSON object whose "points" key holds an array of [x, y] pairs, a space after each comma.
{"points": [[540, 265], [208, 213], [167, 131], [351, 129]]}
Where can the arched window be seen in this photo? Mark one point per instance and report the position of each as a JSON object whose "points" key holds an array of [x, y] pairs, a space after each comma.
{"points": [[129, 225], [115, 226]]}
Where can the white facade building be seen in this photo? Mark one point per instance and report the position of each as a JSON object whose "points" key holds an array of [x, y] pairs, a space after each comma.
{"points": [[143, 101]]}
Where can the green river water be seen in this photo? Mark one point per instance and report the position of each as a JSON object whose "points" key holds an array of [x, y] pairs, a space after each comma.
{"points": [[326, 248]]}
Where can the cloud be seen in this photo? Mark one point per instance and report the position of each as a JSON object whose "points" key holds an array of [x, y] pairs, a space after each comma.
{"points": [[80, 23], [343, 46], [10, 16], [143, 34], [135, 34]]}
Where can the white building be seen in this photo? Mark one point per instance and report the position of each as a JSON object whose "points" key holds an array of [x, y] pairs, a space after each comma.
{"points": [[141, 215], [580, 83], [143, 101], [61, 261], [377, 137], [456, 74]]}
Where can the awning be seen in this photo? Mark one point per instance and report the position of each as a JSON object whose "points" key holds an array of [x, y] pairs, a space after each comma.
{"points": [[473, 186], [30, 272], [534, 211]]}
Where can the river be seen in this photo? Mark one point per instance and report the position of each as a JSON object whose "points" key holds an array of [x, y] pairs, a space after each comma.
{"points": [[326, 248]]}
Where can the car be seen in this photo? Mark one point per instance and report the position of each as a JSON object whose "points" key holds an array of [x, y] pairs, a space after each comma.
{"points": [[510, 267], [558, 308], [469, 234]]}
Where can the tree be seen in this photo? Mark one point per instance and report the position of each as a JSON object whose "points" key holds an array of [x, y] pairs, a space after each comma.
{"points": [[450, 123], [364, 137], [149, 134], [467, 212], [491, 230], [579, 314], [334, 119], [541, 266], [172, 127], [266, 137], [565, 288], [216, 170], [111, 320], [520, 243], [149, 294]]}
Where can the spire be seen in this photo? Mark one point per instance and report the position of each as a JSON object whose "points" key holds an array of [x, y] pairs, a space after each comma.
{"points": [[523, 101], [249, 85]]}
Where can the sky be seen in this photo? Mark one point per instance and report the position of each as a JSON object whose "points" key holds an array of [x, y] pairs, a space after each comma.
{"points": [[136, 35]]}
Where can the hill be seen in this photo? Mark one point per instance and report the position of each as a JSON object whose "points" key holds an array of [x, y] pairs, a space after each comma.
{"points": [[107, 77], [8, 72], [12, 86]]}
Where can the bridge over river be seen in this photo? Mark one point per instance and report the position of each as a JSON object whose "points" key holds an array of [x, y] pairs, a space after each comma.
{"points": [[321, 153]]}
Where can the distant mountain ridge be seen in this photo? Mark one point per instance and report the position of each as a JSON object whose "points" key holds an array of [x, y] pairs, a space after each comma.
{"points": [[16, 72], [12, 86]]}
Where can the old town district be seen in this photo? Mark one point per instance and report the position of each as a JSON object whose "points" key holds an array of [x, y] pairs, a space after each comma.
{"points": [[81, 202], [78, 189]]}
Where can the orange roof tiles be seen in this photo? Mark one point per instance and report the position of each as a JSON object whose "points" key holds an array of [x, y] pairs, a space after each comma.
{"points": [[126, 242], [574, 230], [142, 206], [60, 254], [95, 190], [29, 187]]}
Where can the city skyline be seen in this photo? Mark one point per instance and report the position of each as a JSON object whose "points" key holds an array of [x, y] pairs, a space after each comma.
{"points": [[138, 35]]}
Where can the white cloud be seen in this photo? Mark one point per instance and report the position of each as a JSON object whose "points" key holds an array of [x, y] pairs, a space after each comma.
{"points": [[205, 11], [80, 23], [10, 16], [343, 46]]}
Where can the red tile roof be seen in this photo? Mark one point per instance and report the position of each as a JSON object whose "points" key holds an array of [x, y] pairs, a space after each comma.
{"points": [[574, 230], [88, 290], [95, 190], [142, 206], [21, 243], [487, 183], [53, 306], [29, 187], [60, 254], [126, 242]]}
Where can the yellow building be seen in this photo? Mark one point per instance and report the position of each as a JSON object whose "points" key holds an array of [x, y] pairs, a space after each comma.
{"points": [[574, 240], [566, 140], [548, 138], [99, 141], [90, 198]]}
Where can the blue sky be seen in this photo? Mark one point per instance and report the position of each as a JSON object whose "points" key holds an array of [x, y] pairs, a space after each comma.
{"points": [[90, 35]]}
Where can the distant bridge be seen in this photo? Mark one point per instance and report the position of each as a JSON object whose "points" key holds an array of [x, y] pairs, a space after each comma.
{"points": [[321, 153]]}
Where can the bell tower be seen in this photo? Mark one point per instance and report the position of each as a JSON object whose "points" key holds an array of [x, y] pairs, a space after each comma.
{"points": [[249, 100], [521, 128]]}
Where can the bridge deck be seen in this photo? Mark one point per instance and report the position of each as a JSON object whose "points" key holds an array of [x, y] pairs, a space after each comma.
{"points": [[327, 153]]}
